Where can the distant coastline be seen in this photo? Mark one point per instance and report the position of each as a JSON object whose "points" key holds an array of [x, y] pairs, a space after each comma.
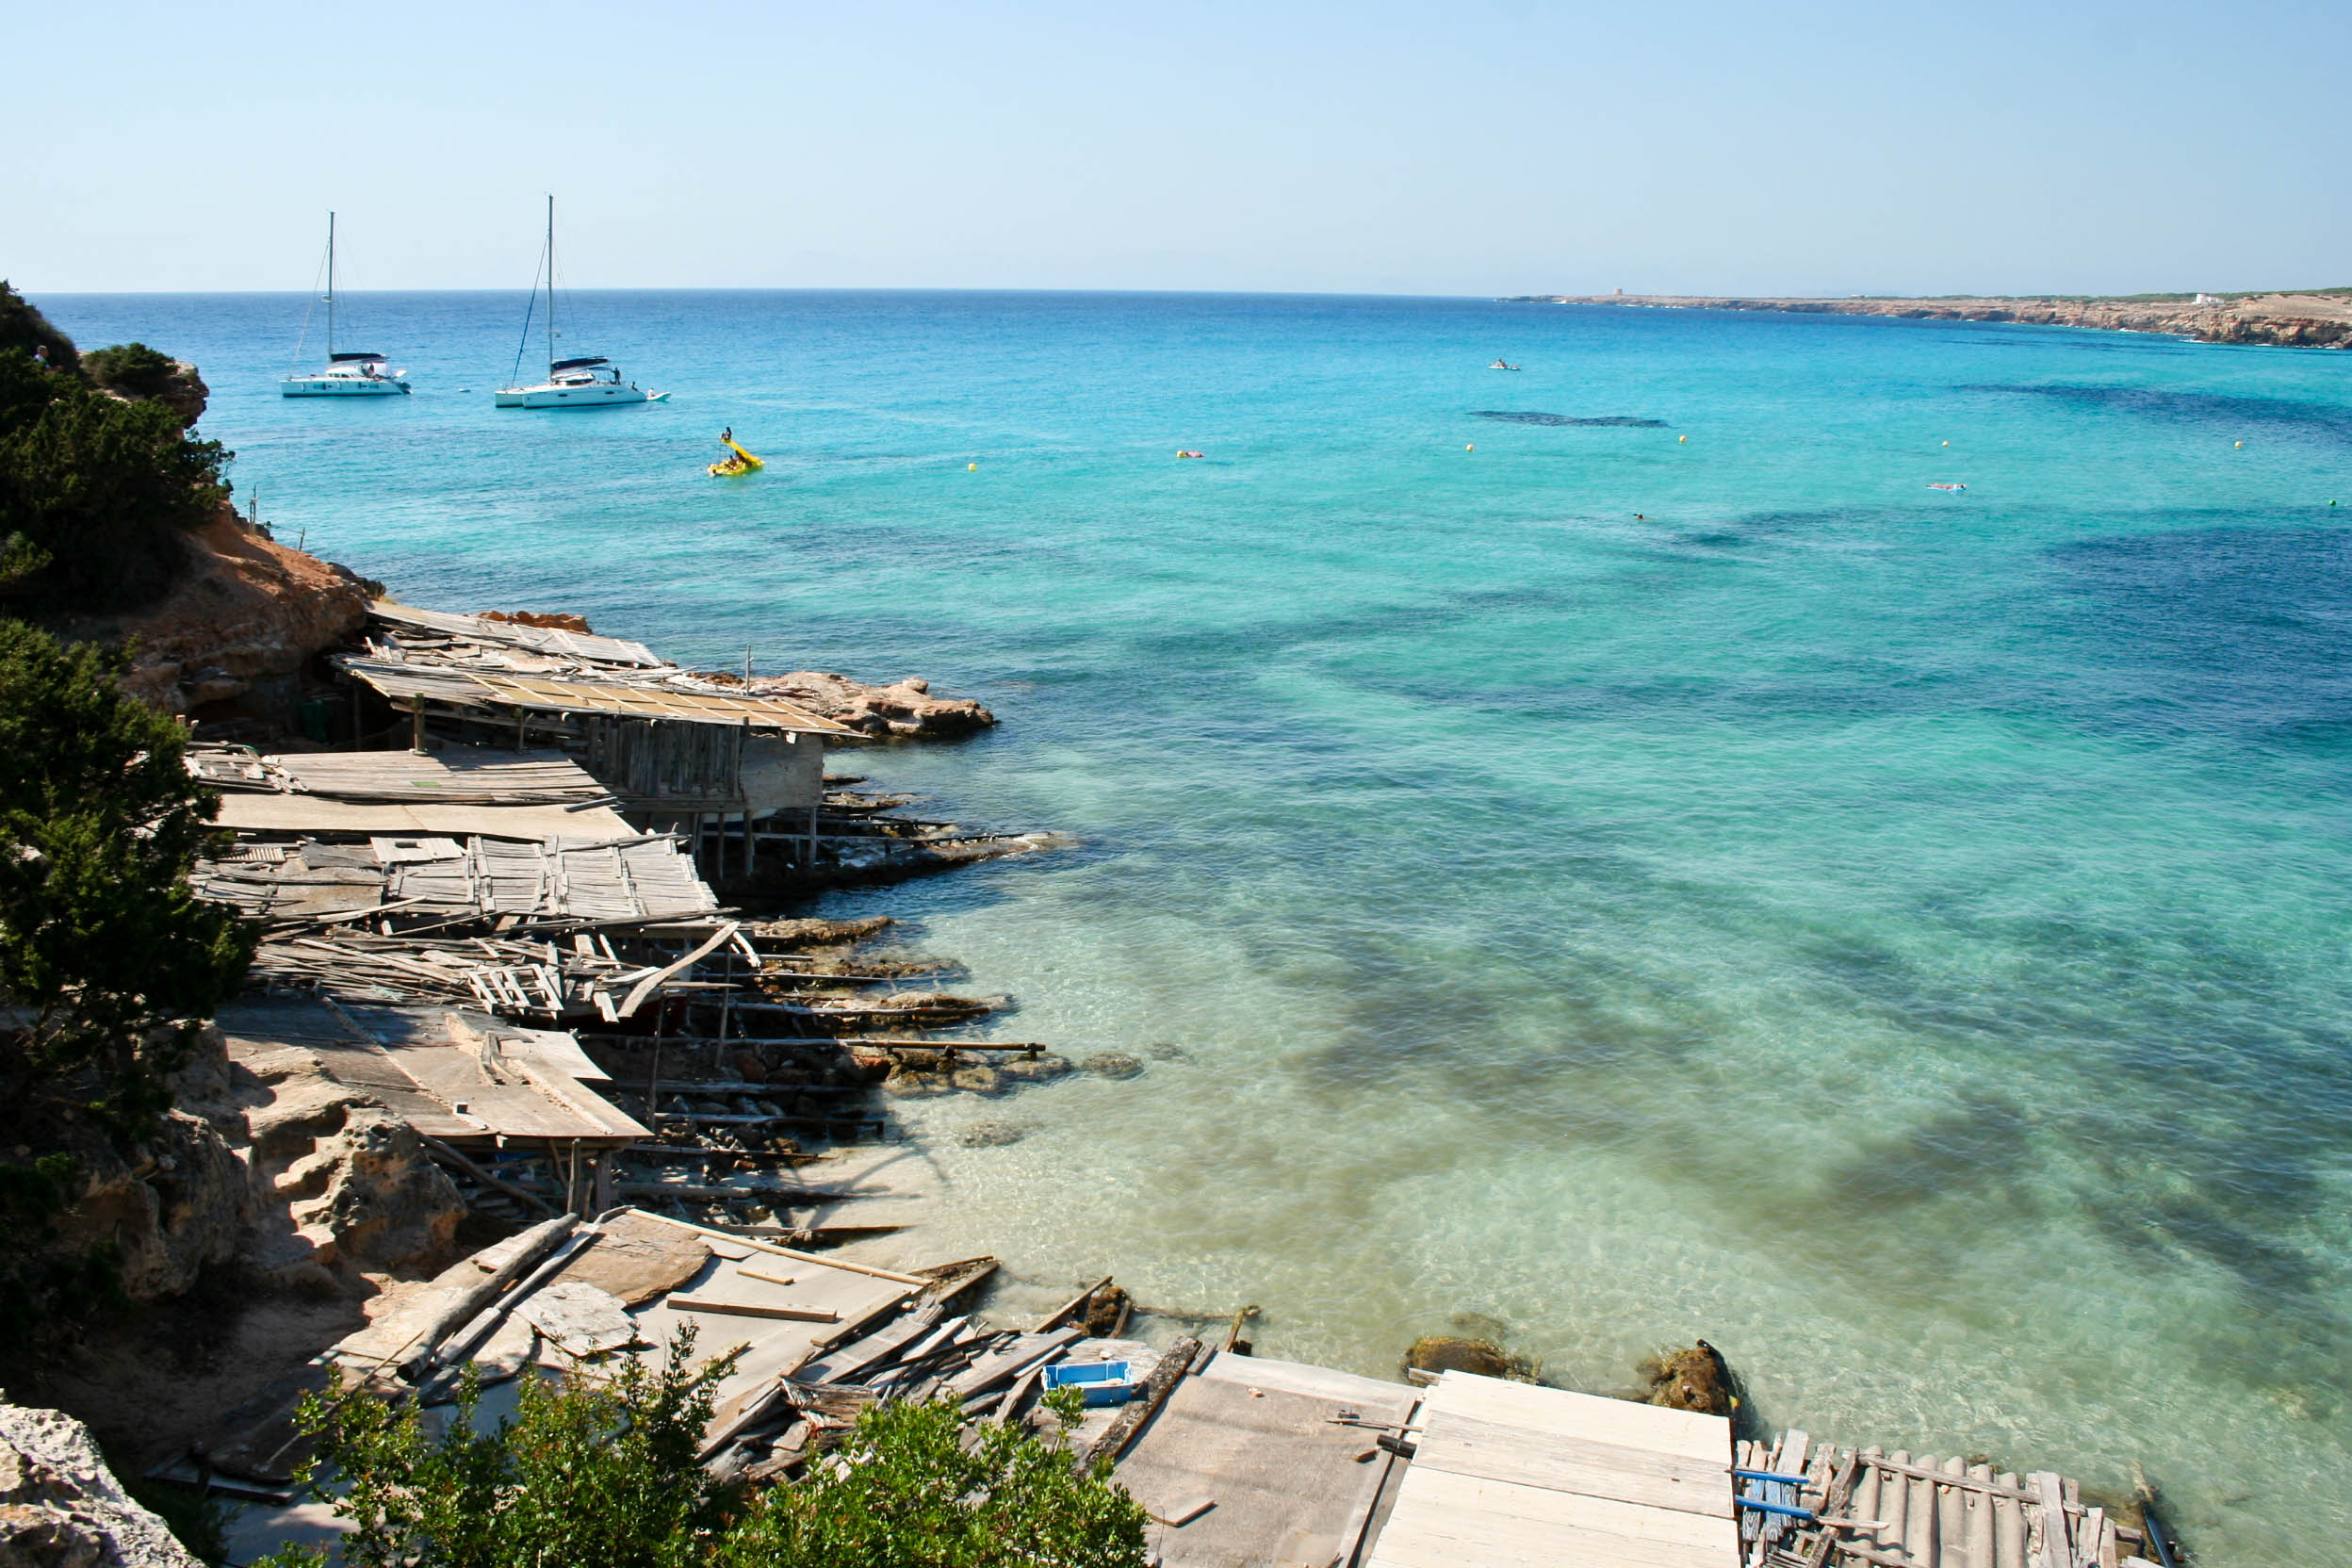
{"points": [[2316, 318]]}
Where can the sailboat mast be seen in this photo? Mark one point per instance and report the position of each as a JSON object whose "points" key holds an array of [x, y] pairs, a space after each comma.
{"points": [[329, 288], [550, 282]]}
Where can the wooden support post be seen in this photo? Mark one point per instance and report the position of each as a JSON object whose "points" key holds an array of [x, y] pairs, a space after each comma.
{"points": [[751, 845], [522, 717], [603, 1185], [417, 724]]}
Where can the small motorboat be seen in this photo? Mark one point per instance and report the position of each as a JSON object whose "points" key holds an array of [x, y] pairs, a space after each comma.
{"points": [[1502, 365], [741, 463], [1948, 487], [1191, 454]]}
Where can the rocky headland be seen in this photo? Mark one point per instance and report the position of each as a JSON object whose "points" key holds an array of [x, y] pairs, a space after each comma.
{"points": [[2319, 320]]}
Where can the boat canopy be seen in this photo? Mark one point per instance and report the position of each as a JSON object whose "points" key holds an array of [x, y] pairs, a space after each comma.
{"points": [[577, 364], [347, 359]]}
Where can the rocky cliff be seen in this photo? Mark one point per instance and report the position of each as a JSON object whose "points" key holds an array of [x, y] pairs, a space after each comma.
{"points": [[2288, 320], [245, 618], [60, 1507]]}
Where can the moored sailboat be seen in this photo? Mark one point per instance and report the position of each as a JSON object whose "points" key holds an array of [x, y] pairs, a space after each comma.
{"points": [[350, 373], [581, 381]]}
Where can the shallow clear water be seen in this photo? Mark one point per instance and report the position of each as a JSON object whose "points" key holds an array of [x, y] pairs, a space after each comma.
{"points": [[1898, 935]]}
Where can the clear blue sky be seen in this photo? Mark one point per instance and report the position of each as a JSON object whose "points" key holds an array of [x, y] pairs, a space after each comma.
{"points": [[1483, 147]]}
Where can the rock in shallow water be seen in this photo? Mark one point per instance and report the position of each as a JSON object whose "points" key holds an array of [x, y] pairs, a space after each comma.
{"points": [[1696, 1380], [1035, 1070], [1445, 1353], [1111, 1064], [991, 1134]]}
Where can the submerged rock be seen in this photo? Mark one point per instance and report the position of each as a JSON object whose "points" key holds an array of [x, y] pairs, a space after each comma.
{"points": [[1695, 1379], [991, 1134], [978, 1080], [1042, 1068], [1111, 1064]]}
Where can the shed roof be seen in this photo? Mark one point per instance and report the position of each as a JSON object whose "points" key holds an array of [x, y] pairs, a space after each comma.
{"points": [[539, 639], [621, 877], [549, 694], [297, 814], [456, 775], [424, 1063]]}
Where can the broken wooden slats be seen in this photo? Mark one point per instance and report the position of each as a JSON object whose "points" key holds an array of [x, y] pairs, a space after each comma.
{"points": [[1174, 1361], [993, 1371]]}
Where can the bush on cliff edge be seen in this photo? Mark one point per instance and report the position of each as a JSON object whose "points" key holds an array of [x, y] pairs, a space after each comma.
{"points": [[95, 491], [103, 947], [601, 1470]]}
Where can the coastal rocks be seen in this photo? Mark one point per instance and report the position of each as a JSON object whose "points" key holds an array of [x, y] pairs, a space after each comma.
{"points": [[904, 708], [920, 1072], [60, 1506], [1446, 1353], [246, 616], [135, 372], [2286, 320], [1110, 1064], [1042, 1068], [1694, 1380], [376, 1193], [176, 1205], [798, 934]]}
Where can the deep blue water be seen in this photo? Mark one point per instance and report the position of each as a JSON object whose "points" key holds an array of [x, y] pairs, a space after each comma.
{"points": [[1664, 871]]}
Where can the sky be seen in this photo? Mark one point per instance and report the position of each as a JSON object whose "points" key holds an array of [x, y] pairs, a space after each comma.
{"points": [[1479, 148]]}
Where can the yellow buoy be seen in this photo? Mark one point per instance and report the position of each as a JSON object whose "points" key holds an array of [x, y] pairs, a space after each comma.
{"points": [[2241, 443], [1681, 438], [1472, 446], [971, 468], [1946, 443]]}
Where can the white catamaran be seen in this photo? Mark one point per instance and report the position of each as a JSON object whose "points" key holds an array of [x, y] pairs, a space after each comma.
{"points": [[351, 373], [587, 380]]}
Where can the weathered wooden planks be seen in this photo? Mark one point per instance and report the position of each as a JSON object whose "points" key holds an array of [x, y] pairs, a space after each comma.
{"points": [[1470, 1446]]}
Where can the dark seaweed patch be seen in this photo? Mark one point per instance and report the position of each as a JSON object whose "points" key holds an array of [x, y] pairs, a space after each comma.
{"points": [[2329, 421], [1620, 421]]}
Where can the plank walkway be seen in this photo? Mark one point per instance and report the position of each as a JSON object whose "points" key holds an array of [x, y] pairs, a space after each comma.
{"points": [[1895, 1511], [1509, 1473]]}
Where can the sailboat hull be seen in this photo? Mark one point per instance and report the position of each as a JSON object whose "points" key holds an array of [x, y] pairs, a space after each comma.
{"points": [[340, 387], [593, 395]]}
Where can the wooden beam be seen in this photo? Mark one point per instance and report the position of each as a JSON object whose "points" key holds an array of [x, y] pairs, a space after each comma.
{"points": [[1174, 1361], [788, 1252], [754, 1309]]}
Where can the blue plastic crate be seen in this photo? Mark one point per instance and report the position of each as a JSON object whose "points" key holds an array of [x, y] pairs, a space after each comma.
{"points": [[1103, 1383]]}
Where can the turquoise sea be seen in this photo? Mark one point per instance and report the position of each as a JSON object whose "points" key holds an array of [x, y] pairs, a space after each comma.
{"points": [[1615, 886]]}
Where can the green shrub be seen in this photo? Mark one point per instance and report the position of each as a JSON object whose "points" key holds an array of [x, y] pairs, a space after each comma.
{"points": [[602, 1474], [906, 1490], [94, 492], [586, 1474], [101, 941], [133, 370], [25, 328]]}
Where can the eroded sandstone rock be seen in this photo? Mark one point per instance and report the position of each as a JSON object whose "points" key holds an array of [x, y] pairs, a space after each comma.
{"points": [[241, 623], [60, 1507]]}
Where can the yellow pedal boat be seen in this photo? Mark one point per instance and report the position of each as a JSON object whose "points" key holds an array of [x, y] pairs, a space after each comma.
{"points": [[741, 463]]}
